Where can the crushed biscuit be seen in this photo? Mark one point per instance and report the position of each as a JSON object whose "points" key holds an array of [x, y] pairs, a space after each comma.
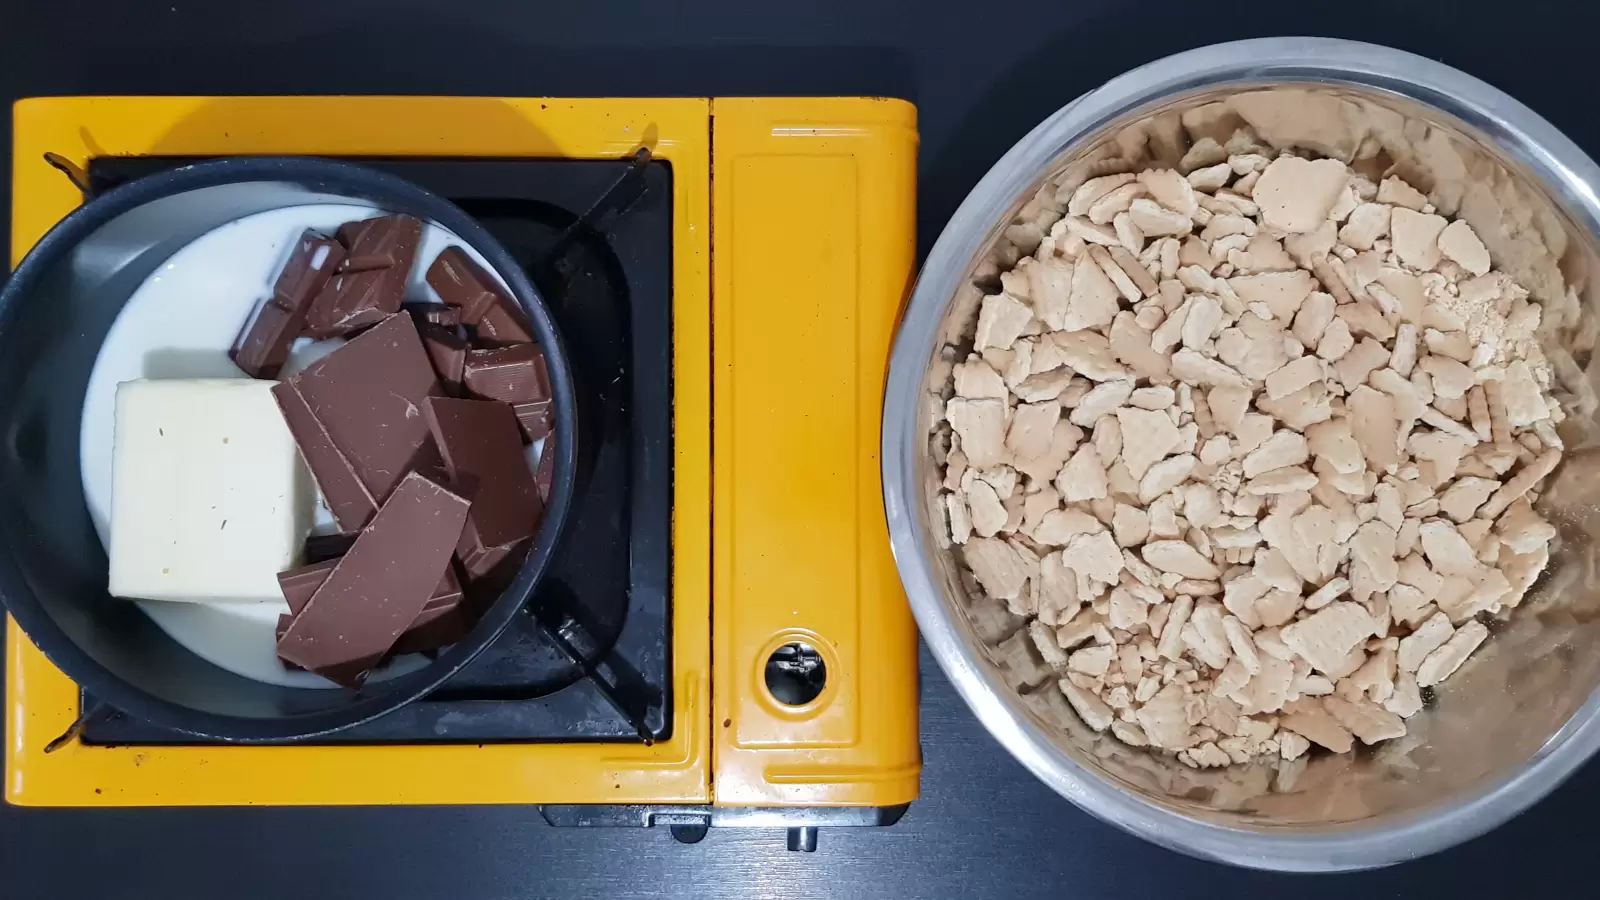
{"points": [[1251, 446]]}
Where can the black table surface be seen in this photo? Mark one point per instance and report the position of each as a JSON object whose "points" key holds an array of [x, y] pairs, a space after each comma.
{"points": [[982, 74]]}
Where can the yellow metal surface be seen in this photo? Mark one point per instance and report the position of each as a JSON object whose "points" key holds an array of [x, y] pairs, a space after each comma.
{"points": [[41, 702], [812, 257]]}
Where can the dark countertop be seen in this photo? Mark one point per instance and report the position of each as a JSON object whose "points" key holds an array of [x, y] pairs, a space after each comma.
{"points": [[982, 74]]}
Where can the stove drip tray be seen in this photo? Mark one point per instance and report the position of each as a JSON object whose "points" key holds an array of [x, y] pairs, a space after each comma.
{"points": [[589, 659]]}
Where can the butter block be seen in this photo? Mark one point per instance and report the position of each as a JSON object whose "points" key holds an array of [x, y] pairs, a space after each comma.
{"points": [[209, 497]]}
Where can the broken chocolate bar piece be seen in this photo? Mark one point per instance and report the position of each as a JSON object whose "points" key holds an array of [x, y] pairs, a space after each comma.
{"points": [[262, 347], [536, 418], [363, 401], [263, 344], [480, 442], [300, 584], [545, 474], [434, 314], [514, 374], [379, 588], [353, 301], [371, 283], [494, 566], [503, 324], [351, 674], [448, 595], [435, 629], [342, 489], [283, 625], [385, 242], [448, 351], [463, 284], [494, 316], [443, 620]]}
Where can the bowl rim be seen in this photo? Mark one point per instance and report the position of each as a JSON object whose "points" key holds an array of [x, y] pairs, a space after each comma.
{"points": [[1522, 135], [358, 182]]}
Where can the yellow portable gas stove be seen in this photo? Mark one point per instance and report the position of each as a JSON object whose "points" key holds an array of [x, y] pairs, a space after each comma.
{"points": [[740, 272]]}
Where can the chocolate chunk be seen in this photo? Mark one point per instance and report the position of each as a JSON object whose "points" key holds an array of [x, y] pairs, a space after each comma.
{"points": [[371, 283], [284, 622], [353, 301], [344, 674], [379, 588], [312, 263], [445, 619], [321, 547], [503, 324], [536, 418], [480, 441], [481, 562], [434, 314], [263, 344], [464, 284], [435, 629], [363, 400], [448, 351], [262, 347], [352, 673], [342, 489], [298, 586], [489, 570], [448, 595], [514, 374], [545, 474], [385, 242], [485, 306]]}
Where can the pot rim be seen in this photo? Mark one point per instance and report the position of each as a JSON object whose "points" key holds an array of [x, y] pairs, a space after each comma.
{"points": [[1516, 131], [356, 181]]}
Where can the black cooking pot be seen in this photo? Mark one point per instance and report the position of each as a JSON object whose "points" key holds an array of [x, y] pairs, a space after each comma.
{"points": [[54, 314]]}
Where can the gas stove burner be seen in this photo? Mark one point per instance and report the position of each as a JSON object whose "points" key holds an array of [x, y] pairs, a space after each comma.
{"points": [[589, 660]]}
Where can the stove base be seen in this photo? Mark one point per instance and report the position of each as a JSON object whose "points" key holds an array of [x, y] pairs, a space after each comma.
{"points": [[689, 824]]}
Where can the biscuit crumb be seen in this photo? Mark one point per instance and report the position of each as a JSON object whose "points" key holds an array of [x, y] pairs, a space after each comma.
{"points": [[1250, 446]]}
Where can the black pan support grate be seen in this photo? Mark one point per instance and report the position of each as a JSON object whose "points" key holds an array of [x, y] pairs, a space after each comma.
{"points": [[591, 658]]}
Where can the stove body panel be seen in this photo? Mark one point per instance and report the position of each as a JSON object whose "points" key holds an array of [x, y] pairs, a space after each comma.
{"points": [[814, 203], [803, 583]]}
